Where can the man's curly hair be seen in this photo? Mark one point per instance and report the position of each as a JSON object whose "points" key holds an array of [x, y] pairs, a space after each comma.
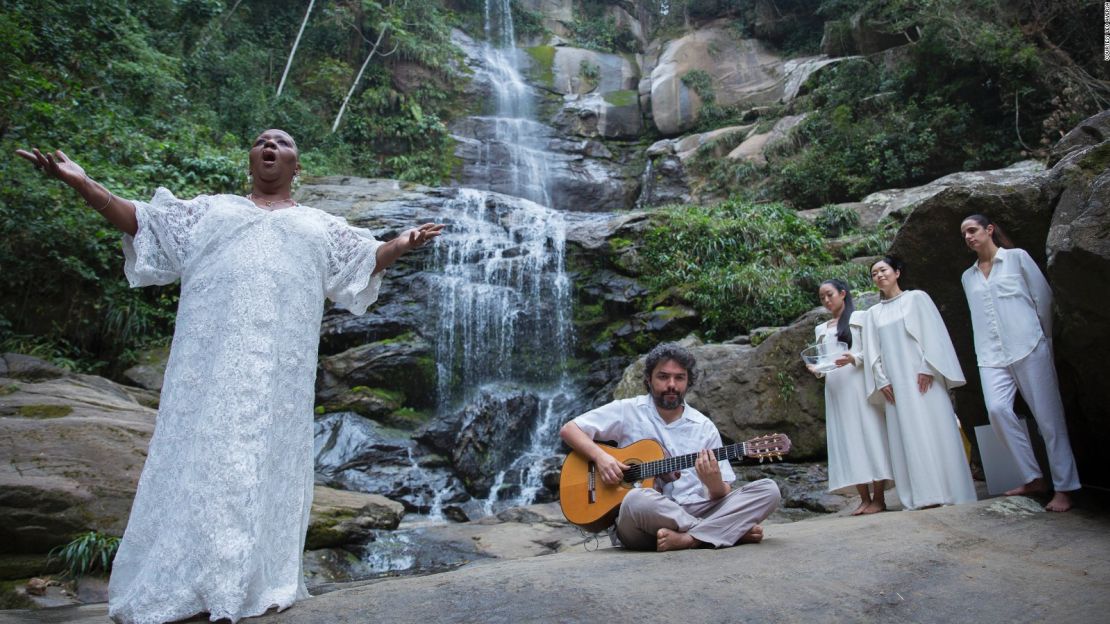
{"points": [[670, 351]]}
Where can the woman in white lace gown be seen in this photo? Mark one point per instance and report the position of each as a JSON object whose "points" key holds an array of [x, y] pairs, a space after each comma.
{"points": [[910, 366], [218, 522], [855, 429]]}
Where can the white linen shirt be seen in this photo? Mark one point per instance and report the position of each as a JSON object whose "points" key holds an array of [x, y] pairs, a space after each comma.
{"points": [[630, 420], [1011, 310]]}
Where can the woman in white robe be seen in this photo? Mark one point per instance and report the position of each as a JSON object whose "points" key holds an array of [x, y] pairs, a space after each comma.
{"points": [[855, 429], [219, 518], [910, 367]]}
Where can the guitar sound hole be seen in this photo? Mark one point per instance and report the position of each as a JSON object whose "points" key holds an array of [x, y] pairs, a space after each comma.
{"points": [[628, 485]]}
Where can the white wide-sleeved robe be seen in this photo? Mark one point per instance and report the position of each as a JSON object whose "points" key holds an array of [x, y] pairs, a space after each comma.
{"points": [[219, 517], [905, 336]]}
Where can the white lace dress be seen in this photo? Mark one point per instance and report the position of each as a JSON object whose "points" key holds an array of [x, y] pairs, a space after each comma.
{"points": [[219, 518]]}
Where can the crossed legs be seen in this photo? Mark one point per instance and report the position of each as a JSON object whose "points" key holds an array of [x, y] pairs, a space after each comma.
{"points": [[650, 521]]}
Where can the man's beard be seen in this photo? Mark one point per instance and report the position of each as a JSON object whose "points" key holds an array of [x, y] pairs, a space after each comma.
{"points": [[668, 402]]}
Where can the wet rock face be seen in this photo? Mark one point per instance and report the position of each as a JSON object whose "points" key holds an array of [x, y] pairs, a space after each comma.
{"points": [[581, 175], [353, 453], [488, 428], [378, 378]]}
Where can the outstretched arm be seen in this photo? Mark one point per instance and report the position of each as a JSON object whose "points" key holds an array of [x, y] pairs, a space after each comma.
{"points": [[410, 239], [120, 212]]}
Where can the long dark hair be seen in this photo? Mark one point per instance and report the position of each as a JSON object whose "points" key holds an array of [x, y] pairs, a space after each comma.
{"points": [[843, 326], [999, 237]]}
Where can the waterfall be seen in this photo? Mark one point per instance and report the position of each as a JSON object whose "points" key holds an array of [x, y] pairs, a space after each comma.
{"points": [[517, 142], [501, 295]]}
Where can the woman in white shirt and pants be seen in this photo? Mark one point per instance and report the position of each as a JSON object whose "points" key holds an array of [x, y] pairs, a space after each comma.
{"points": [[1011, 315]]}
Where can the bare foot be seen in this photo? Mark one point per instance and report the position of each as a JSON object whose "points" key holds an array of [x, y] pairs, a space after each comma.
{"points": [[874, 507], [862, 509], [753, 536], [1036, 486], [666, 539], [1060, 502]]}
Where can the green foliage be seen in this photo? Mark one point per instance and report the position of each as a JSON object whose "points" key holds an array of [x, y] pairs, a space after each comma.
{"points": [[603, 35], [699, 81], [89, 552], [544, 63], [835, 220], [740, 265], [787, 389], [527, 23], [624, 97], [171, 93], [589, 72]]}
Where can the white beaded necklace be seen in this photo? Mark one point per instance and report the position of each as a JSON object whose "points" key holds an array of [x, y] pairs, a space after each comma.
{"points": [[270, 203]]}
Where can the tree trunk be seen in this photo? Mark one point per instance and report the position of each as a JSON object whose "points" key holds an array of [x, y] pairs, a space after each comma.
{"points": [[358, 78], [296, 43]]}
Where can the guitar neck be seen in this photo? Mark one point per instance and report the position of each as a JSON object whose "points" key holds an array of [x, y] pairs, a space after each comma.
{"points": [[682, 462]]}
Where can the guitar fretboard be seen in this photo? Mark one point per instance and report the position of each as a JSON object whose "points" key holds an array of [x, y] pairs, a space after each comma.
{"points": [[682, 462]]}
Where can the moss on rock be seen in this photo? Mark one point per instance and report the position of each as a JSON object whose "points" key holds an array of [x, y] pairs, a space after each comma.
{"points": [[624, 97], [544, 69], [45, 411]]}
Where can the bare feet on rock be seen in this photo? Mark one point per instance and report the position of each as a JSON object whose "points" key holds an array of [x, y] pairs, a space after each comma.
{"points": [[862, 509], [753, 536], [1060, 502], [874, 507], [1036, 486], [666, 539]]}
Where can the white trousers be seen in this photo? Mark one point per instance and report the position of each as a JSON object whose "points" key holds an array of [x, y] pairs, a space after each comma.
{"points": [[720, 522], [1035, 377]]}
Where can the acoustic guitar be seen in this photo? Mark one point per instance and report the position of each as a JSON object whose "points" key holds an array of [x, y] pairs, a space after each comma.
{"points": [[593, 505]]}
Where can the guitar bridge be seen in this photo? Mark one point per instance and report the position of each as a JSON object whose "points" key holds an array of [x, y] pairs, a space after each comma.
{"points": [[591, 487]]}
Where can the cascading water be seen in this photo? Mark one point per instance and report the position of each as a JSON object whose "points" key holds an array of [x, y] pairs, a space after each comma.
{"points": [[501, 293], [517, 143]]}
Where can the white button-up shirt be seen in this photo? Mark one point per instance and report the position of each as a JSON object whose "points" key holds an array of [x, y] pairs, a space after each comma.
{"points": [[1011, 310], [631, 420]]}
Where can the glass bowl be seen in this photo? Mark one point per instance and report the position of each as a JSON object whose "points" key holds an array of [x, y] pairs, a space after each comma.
{"points": [[822, 356]]}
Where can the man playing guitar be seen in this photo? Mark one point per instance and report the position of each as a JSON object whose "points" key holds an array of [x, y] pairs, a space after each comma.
{"points": [[696, 507]]}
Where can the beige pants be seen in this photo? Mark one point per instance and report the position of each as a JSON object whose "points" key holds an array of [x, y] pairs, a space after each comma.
{"points": [[720, 522]]}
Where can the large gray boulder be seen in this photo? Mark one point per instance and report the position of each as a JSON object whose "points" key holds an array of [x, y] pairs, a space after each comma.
{"points": [[579, 71], [557, 15], [72, 448], [1078, 247], [743, 72]]}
